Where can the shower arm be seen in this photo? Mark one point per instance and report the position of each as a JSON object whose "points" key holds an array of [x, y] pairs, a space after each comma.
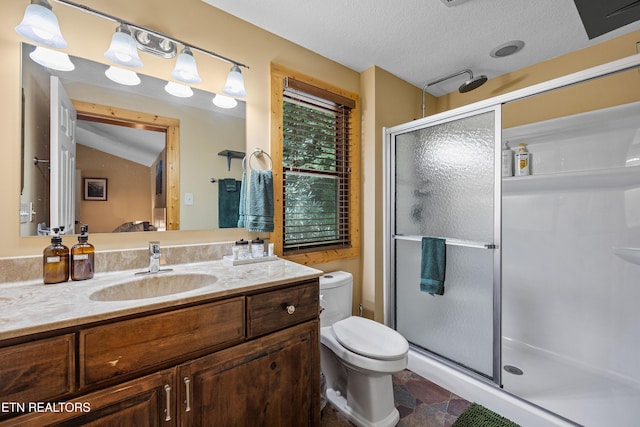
{"points": [[424, 89]]}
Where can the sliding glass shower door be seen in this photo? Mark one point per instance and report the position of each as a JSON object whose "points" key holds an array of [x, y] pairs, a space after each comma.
{"points": [[444, 183]]}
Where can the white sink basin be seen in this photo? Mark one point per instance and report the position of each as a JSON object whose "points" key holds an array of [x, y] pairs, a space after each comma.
{"points": [[153, 285]]}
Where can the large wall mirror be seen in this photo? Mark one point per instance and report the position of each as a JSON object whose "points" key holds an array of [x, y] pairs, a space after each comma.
{"points": [[145, 159]]}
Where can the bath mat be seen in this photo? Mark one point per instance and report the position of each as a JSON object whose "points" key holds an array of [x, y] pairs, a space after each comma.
{"points": [[479, 416]]}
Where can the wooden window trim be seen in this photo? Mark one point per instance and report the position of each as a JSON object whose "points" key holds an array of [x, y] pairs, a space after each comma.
{"points": [[278, 74]]}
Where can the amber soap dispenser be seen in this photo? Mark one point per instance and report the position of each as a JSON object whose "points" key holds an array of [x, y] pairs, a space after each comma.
{"points": [[82, 256], [55, 260]]}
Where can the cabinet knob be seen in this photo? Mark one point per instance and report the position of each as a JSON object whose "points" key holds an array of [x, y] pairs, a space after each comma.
{"points": [[291, 308]]}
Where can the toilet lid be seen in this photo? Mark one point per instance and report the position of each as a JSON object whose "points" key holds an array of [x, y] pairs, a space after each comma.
{"points": [[370, 339]]}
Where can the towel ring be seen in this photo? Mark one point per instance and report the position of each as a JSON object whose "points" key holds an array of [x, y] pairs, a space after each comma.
{"points": [[258, 152]]}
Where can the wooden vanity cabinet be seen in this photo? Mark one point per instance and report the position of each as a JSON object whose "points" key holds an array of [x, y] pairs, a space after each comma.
{"points": [[270, 379]]}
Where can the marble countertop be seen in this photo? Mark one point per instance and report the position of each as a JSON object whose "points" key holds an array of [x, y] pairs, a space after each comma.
{"points": [[32, 307]]}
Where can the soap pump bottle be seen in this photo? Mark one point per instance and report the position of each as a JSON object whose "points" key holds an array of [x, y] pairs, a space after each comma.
{"points": [[522, 164], [82, 256], [55, 260]]}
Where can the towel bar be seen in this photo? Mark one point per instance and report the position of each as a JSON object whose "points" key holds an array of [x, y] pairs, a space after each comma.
{"points": [[451, 242]]}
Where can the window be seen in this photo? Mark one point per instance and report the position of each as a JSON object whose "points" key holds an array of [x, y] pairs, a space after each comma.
{"points": [[318, 157]]}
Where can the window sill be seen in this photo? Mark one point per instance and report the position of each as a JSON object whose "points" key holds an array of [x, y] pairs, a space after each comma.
{"points": [[319, 257]]}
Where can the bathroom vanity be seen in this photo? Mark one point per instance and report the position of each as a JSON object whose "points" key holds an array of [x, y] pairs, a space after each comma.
{"points": [[240, 348]]}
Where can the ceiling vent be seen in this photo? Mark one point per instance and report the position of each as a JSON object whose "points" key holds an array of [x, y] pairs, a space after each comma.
{"points": [[600, 17], [451, 3]]}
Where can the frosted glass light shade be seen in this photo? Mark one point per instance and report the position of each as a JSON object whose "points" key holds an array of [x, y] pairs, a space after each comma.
{"points": [[186, 70], [235, 83], [123, 50], [52, 59], [122, 76], [223, 101], [176, 89], [40, 25]]}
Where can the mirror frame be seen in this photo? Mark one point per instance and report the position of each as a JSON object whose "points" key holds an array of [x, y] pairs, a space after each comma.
{"points": [[168, 125]]}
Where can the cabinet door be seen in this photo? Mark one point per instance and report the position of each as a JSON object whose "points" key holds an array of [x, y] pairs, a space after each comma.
{"points": [[147, 401], [272, 381]]}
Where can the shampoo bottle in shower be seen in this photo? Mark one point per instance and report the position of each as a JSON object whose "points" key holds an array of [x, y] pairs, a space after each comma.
{"points": [[82, 256], [522, 163], [507, 161], [55, 260]]}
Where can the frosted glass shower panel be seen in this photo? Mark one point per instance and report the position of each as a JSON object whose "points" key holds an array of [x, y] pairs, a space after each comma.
{"points": [[444, 180], [457, 325]]}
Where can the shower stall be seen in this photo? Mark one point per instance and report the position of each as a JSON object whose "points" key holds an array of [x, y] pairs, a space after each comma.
{"points": [[539, 319]]}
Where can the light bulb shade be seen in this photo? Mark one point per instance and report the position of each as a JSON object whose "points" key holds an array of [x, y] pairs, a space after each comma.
{"points": [[40, 25], [223, 101], [123, 50], [52, 59], [176, 89], [186, 70], [235, 83], [122, 76]]}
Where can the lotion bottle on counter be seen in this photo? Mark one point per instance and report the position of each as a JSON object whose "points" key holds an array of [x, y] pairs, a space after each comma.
{"points": [[82, 256], [55, 261]]}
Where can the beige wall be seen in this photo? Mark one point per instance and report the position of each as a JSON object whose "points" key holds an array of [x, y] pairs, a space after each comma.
{"points": [[128, 195], [386, 101]]}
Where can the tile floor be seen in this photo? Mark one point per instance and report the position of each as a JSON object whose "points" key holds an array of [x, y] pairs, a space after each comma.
{"points": [[419, 401]]}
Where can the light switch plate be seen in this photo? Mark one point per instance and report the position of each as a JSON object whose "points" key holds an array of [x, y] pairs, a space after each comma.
{"points": [[188, 199]]}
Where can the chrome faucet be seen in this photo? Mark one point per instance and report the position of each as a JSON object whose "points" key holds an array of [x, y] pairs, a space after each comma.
{"points": [[154, 257]]}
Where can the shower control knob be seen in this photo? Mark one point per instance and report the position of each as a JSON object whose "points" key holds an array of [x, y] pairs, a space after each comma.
{"points": [[291, 309]]}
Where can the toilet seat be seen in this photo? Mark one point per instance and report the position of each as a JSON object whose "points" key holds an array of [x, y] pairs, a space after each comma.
{"points": [[370, 339]]}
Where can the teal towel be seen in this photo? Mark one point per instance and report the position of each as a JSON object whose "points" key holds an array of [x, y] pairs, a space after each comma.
{"points": [[432, 265], [259, 209], [242, 204], [228, 203]]}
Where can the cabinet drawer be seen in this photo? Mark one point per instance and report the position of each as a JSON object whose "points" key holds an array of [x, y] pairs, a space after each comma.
{"points": [[39, 370], [133, 345], [271, 311]]}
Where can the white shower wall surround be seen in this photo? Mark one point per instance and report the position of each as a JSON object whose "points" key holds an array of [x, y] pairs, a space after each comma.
{"points": [[569, 273], [570, 304]]}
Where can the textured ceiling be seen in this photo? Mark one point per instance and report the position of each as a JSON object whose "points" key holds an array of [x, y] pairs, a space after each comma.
{"points": [[423, 40]]}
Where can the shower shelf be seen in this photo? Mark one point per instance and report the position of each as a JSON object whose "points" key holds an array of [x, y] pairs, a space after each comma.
{"points": [[614, 178], [631, 255]]}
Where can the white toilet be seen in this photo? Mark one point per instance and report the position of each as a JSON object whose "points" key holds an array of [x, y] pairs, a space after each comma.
{"points": [[358, 357]]}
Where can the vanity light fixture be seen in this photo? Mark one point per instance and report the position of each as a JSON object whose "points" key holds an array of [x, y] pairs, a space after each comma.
{"points": [[179, 90], [40, 25], [123, 50], [186, 70], [126, 41], [235, 83], [122, 76], [224, 101], [52, 59]]}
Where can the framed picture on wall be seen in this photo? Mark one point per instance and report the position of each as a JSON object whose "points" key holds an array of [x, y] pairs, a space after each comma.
{"points": [[95, 189]]}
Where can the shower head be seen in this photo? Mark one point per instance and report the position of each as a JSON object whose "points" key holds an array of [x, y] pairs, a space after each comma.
{"points": [[472, 83], [469, 85]]}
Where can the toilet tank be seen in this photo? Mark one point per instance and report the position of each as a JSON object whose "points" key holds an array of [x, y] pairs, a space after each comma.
{"points": [[336, 290]]}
